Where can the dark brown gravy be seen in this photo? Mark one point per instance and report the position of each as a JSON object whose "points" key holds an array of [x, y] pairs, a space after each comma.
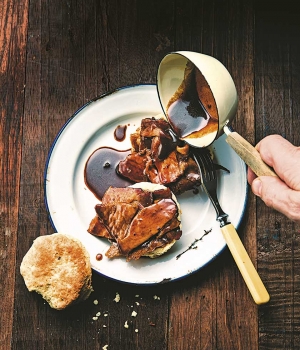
{"points": [[100, 170], [120, 133], [99, 257], [169, 142], [192, 110]]}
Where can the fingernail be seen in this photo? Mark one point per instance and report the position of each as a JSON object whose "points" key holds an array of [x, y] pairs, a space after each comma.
{"points": [[256, 187]]}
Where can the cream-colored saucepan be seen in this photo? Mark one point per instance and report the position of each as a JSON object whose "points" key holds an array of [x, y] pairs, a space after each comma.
{"points": [[199, 99], [218, 95]]}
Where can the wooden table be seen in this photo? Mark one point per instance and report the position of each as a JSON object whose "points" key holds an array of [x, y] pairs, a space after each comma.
{"points": [[54, 57]]}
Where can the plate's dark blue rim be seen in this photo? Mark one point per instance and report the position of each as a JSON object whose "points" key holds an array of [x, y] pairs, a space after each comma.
{"points": [[165, 280]]}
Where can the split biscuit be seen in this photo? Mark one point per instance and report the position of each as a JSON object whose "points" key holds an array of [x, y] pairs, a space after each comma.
{"points": [[58, 267]]}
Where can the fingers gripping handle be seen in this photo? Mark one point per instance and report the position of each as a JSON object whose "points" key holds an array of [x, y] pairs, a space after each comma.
{"points": [[247, 269]]}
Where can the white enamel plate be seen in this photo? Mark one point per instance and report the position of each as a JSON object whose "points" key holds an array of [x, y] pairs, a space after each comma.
{"points": [[71, 205]]}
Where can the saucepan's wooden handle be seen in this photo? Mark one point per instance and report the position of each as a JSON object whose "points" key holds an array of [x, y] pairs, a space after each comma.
{"points": [[248, 153], [247, 269]]}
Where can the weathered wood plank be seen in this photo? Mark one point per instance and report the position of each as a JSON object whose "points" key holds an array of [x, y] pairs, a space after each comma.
{"points": [[277, 111], [13, 36], [74, 51], [224, 30], [77, 51]]}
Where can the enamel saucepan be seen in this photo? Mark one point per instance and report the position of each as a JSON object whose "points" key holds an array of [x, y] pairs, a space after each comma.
{"points": [[182, 78]]}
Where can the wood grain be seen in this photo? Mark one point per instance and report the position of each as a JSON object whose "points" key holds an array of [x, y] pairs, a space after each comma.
{"points": [[54, 58], [220, 307], [277, 111], [13, 29]]}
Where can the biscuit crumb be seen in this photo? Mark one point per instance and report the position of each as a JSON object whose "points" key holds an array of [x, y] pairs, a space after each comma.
{"points": [[117, 298], [134, 313], [126, 325], [136, 330], [96, 302]]}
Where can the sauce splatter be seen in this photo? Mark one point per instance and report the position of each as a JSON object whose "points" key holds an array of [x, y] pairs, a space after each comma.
{"points": [[99, 257], [120, 133]]}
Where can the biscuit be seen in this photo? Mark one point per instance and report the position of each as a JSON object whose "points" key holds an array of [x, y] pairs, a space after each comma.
{"points": [[58, 267]]}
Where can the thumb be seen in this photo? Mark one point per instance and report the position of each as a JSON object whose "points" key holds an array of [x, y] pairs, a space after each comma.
{"points": [[277, 195]]}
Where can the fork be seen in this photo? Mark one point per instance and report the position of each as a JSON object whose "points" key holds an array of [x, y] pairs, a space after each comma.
{"points": [[235, 245]]}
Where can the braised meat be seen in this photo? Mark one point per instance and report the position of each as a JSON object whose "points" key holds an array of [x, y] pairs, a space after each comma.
{"points": [[134, 165], [136, 221], [151, 245], [158, 156], [117, 217], [148, 222], [127, 195], [97, 228]]}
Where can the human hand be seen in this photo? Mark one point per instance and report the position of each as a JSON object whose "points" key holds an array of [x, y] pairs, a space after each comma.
{"points": [[281, 193]]}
